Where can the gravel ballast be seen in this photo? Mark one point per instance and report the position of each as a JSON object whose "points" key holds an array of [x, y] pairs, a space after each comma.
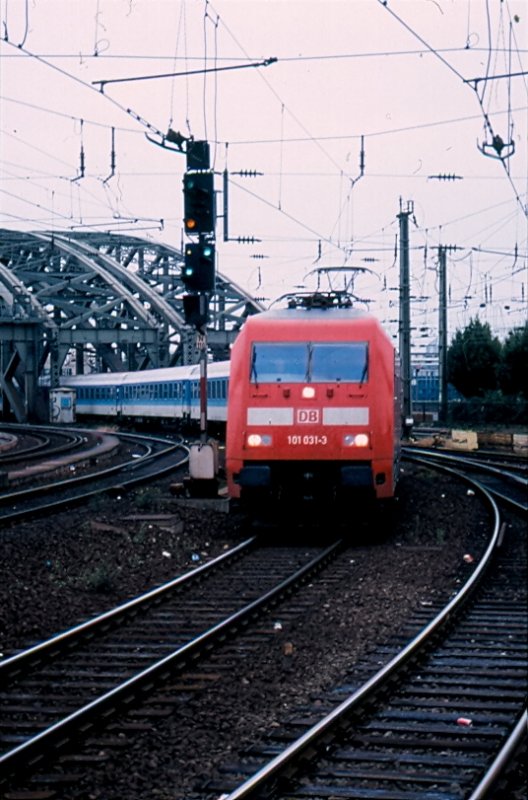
{"points": [[63, 569]]}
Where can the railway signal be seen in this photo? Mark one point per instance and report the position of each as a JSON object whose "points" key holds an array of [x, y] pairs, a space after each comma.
{"points": [[199, 203], [198, 276], [198, 273], [197, 155], [196, 310]]}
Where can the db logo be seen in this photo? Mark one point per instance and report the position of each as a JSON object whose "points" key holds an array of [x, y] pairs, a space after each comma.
{"points": [[307, 416]]}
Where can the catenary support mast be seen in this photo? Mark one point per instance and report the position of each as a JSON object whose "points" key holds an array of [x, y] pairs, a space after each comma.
{"points": [[404, 329]]}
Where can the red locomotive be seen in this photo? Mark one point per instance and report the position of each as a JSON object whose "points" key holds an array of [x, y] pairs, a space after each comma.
{"points": [[314, 405]]}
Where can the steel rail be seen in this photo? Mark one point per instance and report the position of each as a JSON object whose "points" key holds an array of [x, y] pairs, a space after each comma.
{"points": [[30, 452], [314, 737], [57, 735], [80, 479], [126, 466], [427, 459], [12, 666], [73, 440], [478, 465], [502, 759]]}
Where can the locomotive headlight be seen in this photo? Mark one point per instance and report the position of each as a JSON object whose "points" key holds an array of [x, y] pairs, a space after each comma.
{"points": [[356, 440], [308, 392], [256, 440]]}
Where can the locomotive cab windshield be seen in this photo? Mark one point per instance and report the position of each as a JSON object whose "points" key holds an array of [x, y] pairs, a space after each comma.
{"points": [[309, 362]]}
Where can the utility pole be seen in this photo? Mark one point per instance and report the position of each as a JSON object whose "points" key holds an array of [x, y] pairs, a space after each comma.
{"points": [[442, 335], [442, 329], [404, 329]]}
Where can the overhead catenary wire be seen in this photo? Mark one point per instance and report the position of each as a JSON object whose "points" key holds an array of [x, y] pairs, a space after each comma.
{"points": [[283, 173], [480, 97], [280, 100]]}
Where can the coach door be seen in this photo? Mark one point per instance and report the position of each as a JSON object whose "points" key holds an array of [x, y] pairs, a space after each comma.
{"points": [[119, 399]]}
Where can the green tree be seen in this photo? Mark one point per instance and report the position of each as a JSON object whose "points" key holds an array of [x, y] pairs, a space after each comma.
{"points": [[473, 360], [513, 370]]}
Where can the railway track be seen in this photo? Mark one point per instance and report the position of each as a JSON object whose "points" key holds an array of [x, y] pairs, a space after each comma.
{"points": [[423, 707], [440, 719], [506, 480], [22, 445], [147, 457], [59, 691]]}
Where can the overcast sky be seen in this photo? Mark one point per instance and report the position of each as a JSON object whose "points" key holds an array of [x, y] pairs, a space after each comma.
{"points": [[390, 86]]}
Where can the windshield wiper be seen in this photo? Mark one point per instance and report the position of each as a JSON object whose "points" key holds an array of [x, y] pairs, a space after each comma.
{"points": [[253, 371], [307, 377], [365, 370]]}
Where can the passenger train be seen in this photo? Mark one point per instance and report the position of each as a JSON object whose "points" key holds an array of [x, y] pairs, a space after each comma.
{"points": [[311, 397], [172, 393]]}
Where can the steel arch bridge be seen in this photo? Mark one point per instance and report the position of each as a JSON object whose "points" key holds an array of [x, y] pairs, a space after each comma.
{"points": [[81, 302]]}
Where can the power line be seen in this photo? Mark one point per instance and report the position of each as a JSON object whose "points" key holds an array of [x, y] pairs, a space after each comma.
{"points": [[129, 111], [63, 115], [432, 50], [278, 97], [286, 214], [316, 57], [480, 98], [388, 132]]}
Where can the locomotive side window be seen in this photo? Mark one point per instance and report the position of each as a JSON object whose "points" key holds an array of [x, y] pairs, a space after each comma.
{"points": [[300, 362]]}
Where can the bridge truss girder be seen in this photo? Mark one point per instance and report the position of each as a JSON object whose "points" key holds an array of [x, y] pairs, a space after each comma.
{"points": [[100, 302]]}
